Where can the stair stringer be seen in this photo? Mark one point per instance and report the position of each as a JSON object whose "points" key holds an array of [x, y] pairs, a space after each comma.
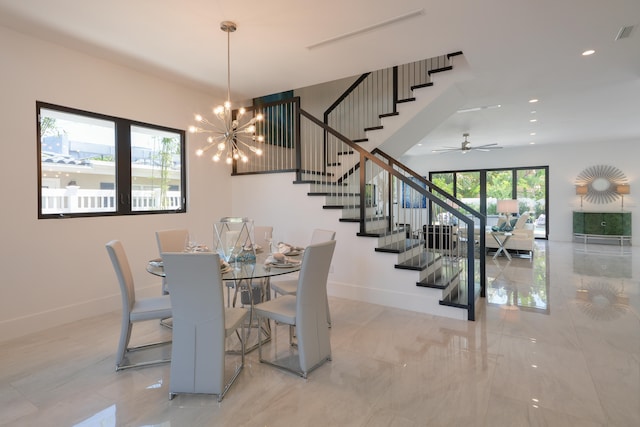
{"points": [[416, 119]]}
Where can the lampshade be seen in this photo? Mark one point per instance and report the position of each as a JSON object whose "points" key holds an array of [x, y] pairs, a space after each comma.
{"points": [[507, 206], [581, 190], [623, 189]]}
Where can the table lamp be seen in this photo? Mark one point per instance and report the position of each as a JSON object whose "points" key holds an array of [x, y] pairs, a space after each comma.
{"points": [[581, 190], [507, 207], [623, 189]]}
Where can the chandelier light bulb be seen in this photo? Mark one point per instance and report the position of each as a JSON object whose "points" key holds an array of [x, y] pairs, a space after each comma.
{"points": [[216, 158], [222, 146], [198, 118], [199, 152]]}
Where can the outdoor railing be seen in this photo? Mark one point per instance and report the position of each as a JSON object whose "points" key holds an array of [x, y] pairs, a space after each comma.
{"points": [[73, 199]]}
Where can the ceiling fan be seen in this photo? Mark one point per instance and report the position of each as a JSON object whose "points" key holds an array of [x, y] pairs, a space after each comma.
{"points": [[466, 146]]}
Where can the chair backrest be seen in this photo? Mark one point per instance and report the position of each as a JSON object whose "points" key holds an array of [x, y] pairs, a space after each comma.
{"points": [[260, 233], [521, 221], [311, 304], [173, 240], [123, 272], [195, 286], [320, 236]]}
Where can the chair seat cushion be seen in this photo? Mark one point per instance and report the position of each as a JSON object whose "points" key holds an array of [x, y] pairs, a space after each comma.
{"points": [[285, 287], [151, 308], [281, 309], [233, 318]]}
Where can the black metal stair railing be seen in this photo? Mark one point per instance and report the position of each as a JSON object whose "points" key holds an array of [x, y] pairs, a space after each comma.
{"points": [[376, 94], [397, 206]]}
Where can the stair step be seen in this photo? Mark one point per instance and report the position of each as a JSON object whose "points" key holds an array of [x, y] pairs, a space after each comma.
{"points": [[360, 140], [419, 262], [440, 282], [452, 54], [331, 193], [321, 173], [422, 85], [401, 101], [439, 70], [388, 115], [344, 153], [459, 300], [367, 219], [373, 128], [399, 246]]}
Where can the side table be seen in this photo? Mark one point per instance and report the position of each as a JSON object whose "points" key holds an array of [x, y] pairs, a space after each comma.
{"points": [[501, 238]]}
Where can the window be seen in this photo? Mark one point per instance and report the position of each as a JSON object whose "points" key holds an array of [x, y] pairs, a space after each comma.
{"points": [[481, 189], [91, 164]]}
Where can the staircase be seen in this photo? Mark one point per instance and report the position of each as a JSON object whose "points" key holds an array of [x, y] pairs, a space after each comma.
{"points": [[424, 228]]}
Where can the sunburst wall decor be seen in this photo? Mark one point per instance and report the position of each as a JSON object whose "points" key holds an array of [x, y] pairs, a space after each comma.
{"points": [[601, 181]]}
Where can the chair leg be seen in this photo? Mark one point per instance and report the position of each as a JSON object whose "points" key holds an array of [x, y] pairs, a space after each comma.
{"points": [[123, 349], [125, 335]]}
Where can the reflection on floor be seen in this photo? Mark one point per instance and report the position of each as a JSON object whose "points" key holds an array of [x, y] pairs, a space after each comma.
{"points": [[557, 342]]}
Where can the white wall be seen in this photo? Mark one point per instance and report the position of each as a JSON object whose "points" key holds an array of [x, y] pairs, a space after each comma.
{"points": [[565, 162], [57, 270]]}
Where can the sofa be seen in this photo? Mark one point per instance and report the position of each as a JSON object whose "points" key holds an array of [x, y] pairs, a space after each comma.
{"points": [[522, 238]]}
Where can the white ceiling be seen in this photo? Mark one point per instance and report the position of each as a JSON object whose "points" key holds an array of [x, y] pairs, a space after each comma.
{"points": [[516, 49]]}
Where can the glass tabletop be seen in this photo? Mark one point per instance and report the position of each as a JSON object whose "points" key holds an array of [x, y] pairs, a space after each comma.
{"points": [[242, 271]]}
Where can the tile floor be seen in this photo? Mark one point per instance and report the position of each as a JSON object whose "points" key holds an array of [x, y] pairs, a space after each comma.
{"points": [[557, 343]]}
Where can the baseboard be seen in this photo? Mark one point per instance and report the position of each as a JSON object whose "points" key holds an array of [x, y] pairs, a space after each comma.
{"points": [[425, 301], [37, 322]]}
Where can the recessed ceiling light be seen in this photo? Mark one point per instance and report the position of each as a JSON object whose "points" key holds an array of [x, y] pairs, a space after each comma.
{"points": [[533, 120], [533, 100], [419, 144], [588, 52], [532, 143], [533, 111], [532, 134]]}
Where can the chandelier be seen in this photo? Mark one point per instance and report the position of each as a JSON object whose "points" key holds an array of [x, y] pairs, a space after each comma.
{"points": [[229, 135]]}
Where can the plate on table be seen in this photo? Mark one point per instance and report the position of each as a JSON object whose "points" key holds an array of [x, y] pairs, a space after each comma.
{"points": [[285, 265]]}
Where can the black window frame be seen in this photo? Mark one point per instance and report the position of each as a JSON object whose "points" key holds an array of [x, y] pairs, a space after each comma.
{"points": [[123, 179]]}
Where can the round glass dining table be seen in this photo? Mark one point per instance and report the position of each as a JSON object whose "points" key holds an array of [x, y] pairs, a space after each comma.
{"points": [[250, 279]]}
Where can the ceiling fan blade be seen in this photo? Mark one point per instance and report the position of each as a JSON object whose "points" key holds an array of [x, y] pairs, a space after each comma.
{"points": [[494, 145], [441, 150]]}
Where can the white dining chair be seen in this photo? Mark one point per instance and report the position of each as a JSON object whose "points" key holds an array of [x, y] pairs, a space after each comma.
{"points": [[289, 286], [306, 311], [134, 309], [201, 325], [171, 240]]}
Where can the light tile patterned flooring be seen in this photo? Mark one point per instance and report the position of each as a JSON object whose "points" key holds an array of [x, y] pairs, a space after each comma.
{"points": [[557, 343]]}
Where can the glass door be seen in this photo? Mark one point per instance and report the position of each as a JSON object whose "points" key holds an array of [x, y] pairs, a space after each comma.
{"points": [[532, 195]]}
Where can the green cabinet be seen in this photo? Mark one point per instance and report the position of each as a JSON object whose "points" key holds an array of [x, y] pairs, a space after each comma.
{"points": [[602, 225]]}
